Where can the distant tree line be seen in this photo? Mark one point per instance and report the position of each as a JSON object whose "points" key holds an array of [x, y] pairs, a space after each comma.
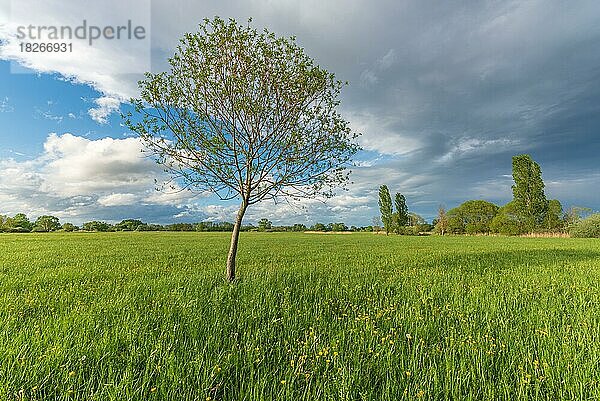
{"points": [[20, 223], [397, 218], [529, 211]]}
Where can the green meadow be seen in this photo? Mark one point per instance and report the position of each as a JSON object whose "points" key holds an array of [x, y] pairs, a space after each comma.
{"points": [[149, 316]]}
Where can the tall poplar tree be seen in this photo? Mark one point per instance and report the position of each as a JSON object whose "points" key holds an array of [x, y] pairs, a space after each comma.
{"points": [[401, 215], [385, 208], [528, 191]]}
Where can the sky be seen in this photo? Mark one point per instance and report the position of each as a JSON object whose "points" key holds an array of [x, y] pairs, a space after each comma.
{"points": [[444, 94]]}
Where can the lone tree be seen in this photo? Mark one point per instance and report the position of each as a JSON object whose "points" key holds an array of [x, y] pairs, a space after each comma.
{"points": [[528, 191], [385, 208], [245, 115], [375, 221], [442, 220]]}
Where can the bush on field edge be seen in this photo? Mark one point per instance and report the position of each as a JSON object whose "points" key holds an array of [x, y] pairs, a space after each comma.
{"points": [[587, 228]]}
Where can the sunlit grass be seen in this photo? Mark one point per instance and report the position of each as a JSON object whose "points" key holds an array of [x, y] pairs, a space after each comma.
{"points": [[132, 316]]}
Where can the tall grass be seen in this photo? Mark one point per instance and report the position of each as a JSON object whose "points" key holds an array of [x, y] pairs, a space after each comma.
{"points": [[148, 316]]}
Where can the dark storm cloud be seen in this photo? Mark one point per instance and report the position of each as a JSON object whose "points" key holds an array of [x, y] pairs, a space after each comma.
{"points": [[453, 89]]}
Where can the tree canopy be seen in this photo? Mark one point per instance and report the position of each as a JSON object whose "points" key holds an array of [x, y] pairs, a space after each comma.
{"points": [[47, 223], [471, 217]]}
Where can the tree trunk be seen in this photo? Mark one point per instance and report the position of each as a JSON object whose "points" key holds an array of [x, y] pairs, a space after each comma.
{"points": [[234, 242]]}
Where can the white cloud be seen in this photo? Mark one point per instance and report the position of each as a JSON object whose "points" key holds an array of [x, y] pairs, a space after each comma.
{"points": [[346, 206], [219, 213], [379, 134], [110, 66], [76, 177], [388, 60], [5, 106], [49, 116], [368, 78], [117, 199], [104, 107], [171, 194], [75, 165], [475, 146]]}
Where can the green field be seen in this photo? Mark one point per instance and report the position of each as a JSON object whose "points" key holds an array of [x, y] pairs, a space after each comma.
{"points": [[148, 316]]}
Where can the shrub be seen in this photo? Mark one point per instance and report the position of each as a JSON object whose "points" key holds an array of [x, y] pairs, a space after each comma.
{"points": [[508, 221], [471, 217], [588, 228]]}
